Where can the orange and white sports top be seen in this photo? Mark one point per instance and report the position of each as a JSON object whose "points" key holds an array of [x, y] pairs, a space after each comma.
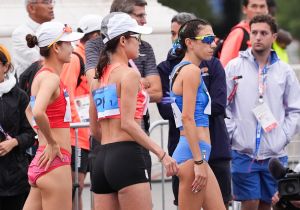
{"points": [[107, 102]]}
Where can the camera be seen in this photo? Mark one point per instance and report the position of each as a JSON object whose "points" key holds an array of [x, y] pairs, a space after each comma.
{"points": [[288, 180], [288, 185]]}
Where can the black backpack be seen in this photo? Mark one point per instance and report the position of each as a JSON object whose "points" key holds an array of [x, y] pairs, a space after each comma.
{"points": [[220, 42], [27, 76], [82, 72]]}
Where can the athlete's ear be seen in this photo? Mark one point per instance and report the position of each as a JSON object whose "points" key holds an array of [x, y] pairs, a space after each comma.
{"points": [[122, 40], [56, 47], [188, 42]]}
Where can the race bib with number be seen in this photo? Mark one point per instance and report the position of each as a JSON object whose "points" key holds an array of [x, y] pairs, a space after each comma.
{"points": [[31, 103], [177, 115], [106, 101], [147, 101], [207, 109], [68, 116]]}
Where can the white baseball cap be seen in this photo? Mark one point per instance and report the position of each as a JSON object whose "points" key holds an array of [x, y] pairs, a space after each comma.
{"points": [[90, 23], [50, 32], [117, 23]]}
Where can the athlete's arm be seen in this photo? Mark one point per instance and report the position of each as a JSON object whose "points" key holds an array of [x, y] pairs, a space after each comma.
{"points": [[94, 124]]}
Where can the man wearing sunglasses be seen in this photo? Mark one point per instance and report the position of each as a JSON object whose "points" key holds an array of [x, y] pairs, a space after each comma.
{"points": [[214, 78], [39, 11]]}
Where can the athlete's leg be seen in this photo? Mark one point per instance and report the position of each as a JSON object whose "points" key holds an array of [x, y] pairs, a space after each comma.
{"points": [[135, 197], [56, 189], [106, 201], [209, 198], [34, 200]]}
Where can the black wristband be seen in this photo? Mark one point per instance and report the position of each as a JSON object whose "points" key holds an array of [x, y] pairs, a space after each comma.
{"points": [[198, 162], [162, 157]]}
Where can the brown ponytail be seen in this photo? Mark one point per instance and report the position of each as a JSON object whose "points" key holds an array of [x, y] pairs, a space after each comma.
{"points": [[31, 40], [110, 47]]}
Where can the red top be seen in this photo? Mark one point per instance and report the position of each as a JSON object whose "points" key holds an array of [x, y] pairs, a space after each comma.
{"points": [[57, 109], [142, 96], [233, 42]]}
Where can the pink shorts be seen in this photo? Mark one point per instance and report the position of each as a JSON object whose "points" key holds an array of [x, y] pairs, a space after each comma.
{"points": [[34, 171]]}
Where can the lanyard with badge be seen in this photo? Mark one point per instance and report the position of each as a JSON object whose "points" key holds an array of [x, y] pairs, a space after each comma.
{"points": [[265, 119], [82, 103]]}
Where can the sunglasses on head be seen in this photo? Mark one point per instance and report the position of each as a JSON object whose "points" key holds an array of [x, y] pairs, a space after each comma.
{"points": [[66, 29], [138, 37], [207, 39], [44, 2]]}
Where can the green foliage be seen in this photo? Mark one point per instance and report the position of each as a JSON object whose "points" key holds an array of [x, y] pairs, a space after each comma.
{"points": [[222, 20], [200, 8], [288, 16]]}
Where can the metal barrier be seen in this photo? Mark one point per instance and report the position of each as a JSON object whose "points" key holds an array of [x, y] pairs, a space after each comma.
{"points": [[161, 123], [76, 184]]}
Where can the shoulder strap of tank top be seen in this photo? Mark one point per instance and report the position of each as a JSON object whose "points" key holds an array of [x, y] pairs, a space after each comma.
{"points": [[43, 69], [177, 70], [108, 70]]}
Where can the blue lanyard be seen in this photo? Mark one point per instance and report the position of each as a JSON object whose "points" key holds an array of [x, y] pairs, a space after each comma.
{"points": [[261, 85]]}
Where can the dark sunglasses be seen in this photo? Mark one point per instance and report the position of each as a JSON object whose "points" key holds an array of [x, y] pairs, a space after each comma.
{"points": [[138, 37]]}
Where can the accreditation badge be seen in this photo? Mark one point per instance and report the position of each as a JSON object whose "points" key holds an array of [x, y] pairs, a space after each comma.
{"points": [[82, 106], [265, 117]]}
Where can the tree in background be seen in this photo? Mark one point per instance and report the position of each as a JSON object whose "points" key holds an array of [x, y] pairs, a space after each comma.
{"points": [[288, 16], [223, 14]]}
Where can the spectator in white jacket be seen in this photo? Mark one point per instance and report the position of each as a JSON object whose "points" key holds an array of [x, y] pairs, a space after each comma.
{"points": [[263, 115], [39, 11]]}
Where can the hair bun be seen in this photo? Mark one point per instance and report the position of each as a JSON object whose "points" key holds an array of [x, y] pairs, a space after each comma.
{"points": [[31, 40]]}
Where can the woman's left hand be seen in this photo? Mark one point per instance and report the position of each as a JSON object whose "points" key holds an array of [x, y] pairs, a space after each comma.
{"points": [[170, 165], [7, 145], [200, 177], [48, 155]]}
